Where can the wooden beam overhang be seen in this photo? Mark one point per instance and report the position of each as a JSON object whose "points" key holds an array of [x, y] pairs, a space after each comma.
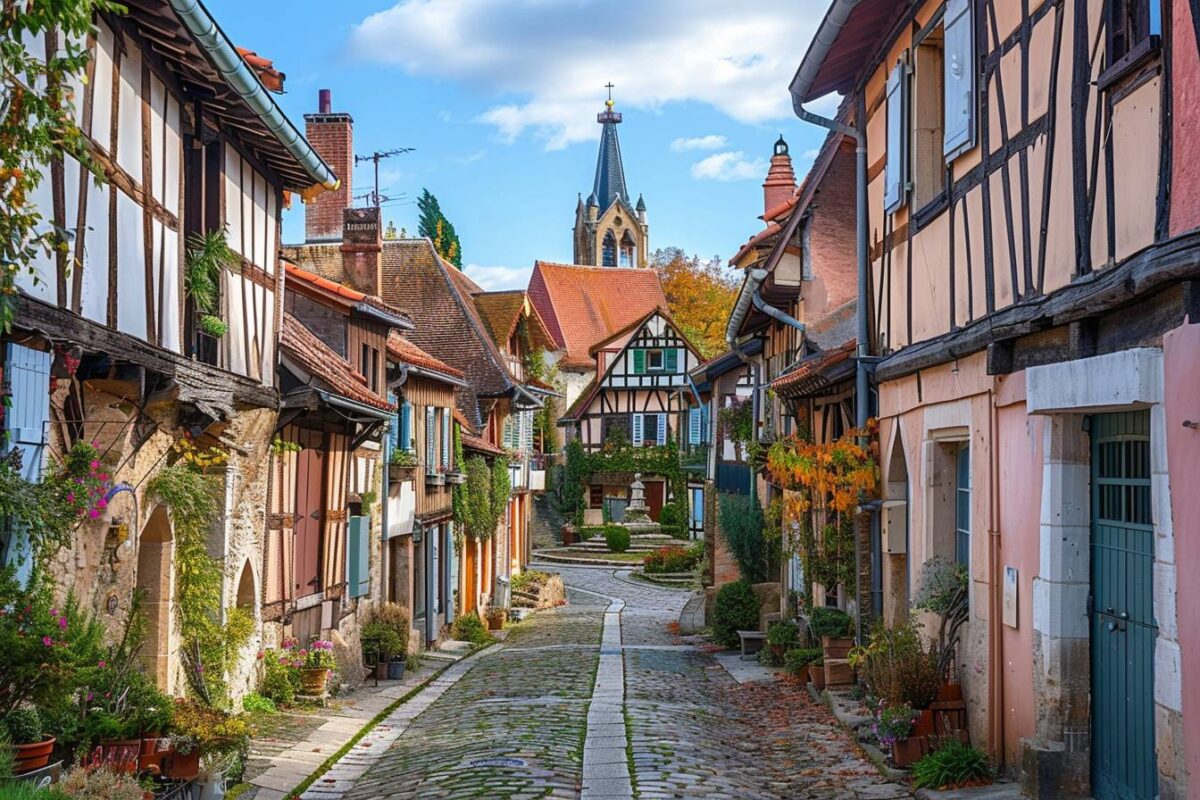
{"points": [[1170, 268], [205, 386]]}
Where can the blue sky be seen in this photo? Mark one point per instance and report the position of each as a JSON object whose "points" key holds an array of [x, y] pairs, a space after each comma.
{"points": [[499, 99]]}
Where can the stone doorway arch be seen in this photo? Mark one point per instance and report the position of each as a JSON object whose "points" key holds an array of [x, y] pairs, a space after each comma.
{"points": [[154, 581], [897, 578]]}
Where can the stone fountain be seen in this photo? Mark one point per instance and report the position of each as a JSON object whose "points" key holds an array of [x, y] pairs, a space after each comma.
{"points": [[637, 513]]}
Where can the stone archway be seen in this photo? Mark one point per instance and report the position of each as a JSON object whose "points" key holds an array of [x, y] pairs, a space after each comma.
{"points": [[246, 589], [896, 533], [155, 547]]}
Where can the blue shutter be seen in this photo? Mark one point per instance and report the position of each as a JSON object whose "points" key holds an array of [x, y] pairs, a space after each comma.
{"points": [[27, 372], [637, 430], [406, 436], [445, 437], [895, 172], [394, 438], [639, 362], [672, 360], [430, 440], [358, 556], [705, 428], [695, 425], [959, 83], [662, 429]]}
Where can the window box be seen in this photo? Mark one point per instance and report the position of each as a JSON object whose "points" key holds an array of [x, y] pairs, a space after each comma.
{"points": [[435, 479], [456, 477], [398, 473]]}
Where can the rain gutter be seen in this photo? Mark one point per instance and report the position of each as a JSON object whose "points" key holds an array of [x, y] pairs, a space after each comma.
{"points": [[810, 67], [235, 72]]}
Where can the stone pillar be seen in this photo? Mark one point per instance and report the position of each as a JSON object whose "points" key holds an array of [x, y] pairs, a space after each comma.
{"points": [[1056, 761]]}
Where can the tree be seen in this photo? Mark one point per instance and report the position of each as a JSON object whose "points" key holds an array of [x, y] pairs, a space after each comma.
{"points": [[434, 225], [37, 127], [391, 233], [700, 295]]}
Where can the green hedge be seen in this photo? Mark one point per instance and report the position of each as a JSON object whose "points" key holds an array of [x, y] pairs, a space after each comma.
{"points": [[735, 609]]}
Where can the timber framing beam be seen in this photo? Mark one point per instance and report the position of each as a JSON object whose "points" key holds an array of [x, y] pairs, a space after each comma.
{"points": [[1149, 271], [200, 384]]}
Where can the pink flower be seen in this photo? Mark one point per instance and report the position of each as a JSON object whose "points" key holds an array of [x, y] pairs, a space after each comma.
{"points": [[46, 640], [94, 514], [54, 612], [70, 497], [103, 503], [90, 695], [95, 464], [102, 664], [62, 624]]}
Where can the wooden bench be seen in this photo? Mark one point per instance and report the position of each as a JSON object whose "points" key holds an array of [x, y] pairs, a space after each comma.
{"points": [[752, 642]]}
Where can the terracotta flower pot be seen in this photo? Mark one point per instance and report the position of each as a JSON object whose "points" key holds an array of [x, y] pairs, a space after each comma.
{"points": [[906, 752], [817, 676], [121, 755], [312, 681], [29, 757], [836, 647], [495, 620], [182, 767], [154, 750]]}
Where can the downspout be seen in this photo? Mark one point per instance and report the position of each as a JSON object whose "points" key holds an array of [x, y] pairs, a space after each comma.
{"points": [[385, 573], [235, 72], [995, 603], [810, 67]]}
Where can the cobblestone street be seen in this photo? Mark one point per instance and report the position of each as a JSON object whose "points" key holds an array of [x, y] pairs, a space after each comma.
{"points": [[532, 717]]}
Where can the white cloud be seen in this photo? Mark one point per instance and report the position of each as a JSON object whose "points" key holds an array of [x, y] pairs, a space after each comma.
{"points": [[549, 59], [710, 142], [470, 158], [494, 278], [729, 166]]}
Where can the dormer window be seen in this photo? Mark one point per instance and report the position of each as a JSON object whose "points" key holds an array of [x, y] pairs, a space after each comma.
{"points": [[654, 360]]}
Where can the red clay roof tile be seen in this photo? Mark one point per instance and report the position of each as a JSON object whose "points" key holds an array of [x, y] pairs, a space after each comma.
{"points": [[319, 360]]}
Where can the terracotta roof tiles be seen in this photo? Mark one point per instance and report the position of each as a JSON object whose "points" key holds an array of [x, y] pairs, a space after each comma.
{"points": [[316, 358], [406, 352]]}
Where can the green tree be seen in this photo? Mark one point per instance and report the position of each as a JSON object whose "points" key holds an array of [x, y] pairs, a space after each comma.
{"points": [[37, 127], [434, 225]]}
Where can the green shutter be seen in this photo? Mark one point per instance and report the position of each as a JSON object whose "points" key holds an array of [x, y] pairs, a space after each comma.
{"points": [[639, 362], [672, 360], [358, 556]]}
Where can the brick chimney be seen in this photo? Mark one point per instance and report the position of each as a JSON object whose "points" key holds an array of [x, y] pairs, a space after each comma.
{"points": [[362, 250], [332, 136], [780, 184]]}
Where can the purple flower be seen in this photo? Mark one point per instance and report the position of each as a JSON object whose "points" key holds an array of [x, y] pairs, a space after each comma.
{"points": [[62, 623], [90, 695], [46, 640], [94, 513]]}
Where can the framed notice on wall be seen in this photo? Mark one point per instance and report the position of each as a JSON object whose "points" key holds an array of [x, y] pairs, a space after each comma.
{"points": [[1010, 596]]}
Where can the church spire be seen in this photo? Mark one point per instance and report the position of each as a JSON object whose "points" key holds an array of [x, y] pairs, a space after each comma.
{"points": [[610, 173]]}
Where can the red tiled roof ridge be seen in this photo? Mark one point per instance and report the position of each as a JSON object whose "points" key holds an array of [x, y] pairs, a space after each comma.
{"points": [[341, 289], [323, 362]]}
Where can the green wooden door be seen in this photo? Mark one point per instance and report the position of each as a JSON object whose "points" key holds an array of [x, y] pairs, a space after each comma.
{"points": [[1122, 609]]}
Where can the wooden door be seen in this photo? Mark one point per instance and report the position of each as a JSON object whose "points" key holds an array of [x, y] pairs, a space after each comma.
{"points": [[307, 552], [1123, 628], [655, 491]]}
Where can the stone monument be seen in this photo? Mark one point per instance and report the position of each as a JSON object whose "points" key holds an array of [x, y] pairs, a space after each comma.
{"points": [[637, 513]]}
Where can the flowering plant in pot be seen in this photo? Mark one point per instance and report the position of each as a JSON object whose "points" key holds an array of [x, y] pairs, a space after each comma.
{"points": [[495, 617], [893, 728], [316, 662], [205, 740]]}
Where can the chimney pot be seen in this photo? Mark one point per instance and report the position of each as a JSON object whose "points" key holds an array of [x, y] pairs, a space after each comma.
{"points": [[325, 101]]}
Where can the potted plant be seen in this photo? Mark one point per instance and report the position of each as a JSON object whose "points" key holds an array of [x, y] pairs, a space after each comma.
{"points": [[816, 673], [31, 744], [495, 618], [401, 464], [389, 646], [831, 627], [893, 729], [316, 662], [205, 741], [781, 636]]}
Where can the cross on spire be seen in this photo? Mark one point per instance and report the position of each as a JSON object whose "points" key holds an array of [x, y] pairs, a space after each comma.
{"points": [[609, 86]]}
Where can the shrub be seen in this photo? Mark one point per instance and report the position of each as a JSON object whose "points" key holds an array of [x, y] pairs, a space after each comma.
{"points": [[951, 765], [24, 725], [796, 661], [617, 538], [255, 703], [742, 524], [673, 559], [7, 756], [28, 790], [829, 622], [280, 680], [470, 628], [100, 783], [898, 668], [211, 732], [397, 618], [735, 609], [384, 637], [672, 520], [529, 581], [783, 634]]}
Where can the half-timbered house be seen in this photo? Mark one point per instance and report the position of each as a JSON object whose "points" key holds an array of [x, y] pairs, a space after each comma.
{"points": [[1028, 261], [320, 556], [106, 348], [421, 565], [639, 397]]}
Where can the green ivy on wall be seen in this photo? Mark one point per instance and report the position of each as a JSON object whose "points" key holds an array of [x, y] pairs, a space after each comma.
{"points": [[659, 460]]}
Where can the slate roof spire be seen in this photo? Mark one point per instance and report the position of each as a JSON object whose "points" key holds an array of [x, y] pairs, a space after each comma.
{"points": [[610, 173]]}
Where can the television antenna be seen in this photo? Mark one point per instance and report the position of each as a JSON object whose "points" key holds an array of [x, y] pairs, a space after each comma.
{"points": [[374, 197]]}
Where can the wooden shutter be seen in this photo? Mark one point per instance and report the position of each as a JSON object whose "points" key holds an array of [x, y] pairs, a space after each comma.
{"points": [[394, 438], [527, 432], [672, 360], [662, 429], [959, 83], [895, 171], [639, 362], [358, 557], [695, 425], [445, 437], [27, 373], [705, 428], [406, 437], [430, 439], [638, 420]]}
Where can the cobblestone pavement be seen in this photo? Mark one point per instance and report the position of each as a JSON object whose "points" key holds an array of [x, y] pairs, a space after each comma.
{"points": [[515, 724]]}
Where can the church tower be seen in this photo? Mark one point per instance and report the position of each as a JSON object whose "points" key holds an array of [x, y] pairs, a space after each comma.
{"points": [[609, 230]]}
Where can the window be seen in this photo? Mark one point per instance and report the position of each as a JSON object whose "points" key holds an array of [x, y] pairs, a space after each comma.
{"points": [[654, 360], [431, 426], [1134, 30], [446, 436], [595, 496], [616, 430], [959, 78], [928, 162], [649, 430], [962, 506], [368, 366], [695, 425], [628, 251], [608, 254]]}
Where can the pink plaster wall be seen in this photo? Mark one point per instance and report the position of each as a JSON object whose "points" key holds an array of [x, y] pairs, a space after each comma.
{"points": [[1020, 457], [1181, 376], [1185, 134]]}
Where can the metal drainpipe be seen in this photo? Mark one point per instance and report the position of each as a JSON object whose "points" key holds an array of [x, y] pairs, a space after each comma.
{"points": [[827, 33]]}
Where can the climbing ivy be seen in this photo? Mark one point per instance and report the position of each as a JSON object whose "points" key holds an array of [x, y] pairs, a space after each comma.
{"points": [[479, 502], [659, 460]]}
